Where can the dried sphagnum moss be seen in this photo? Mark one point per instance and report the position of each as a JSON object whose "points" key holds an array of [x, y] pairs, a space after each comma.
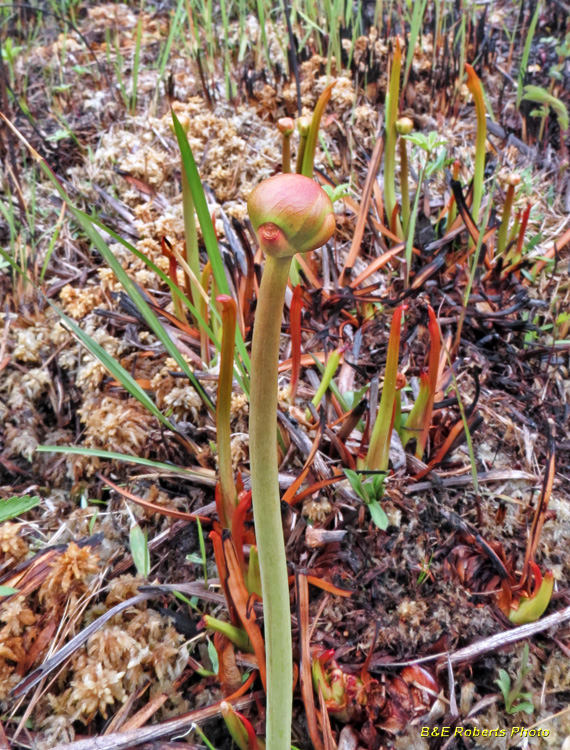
{"points": [[13, 548], [115, 424], [79, 302], [171, 393], [16, 618], [118, 660], [69, 576]]}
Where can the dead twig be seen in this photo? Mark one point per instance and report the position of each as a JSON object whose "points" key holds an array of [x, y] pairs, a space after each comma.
{"points": [[173, 727], [486, 645]]}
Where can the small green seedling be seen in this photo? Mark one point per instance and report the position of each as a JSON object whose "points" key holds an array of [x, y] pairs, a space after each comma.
{"points": [[515, 699], [338, 192], [370, 490], [547, 101], [139, 550]]}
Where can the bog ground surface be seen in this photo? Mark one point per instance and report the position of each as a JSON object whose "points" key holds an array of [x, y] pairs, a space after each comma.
{"points": [[404, 590]]}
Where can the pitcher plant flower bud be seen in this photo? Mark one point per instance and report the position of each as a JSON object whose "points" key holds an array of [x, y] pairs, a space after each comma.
{"points": [[286, 126], [290, 214], [404, 126]]}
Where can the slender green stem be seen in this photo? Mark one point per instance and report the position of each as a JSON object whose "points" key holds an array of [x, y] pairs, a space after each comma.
{"points": [[404, 187], [267, 504], [286, 160], [412, 224], [223, 408]]}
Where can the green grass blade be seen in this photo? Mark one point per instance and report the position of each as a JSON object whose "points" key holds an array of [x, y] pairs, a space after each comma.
{"points": [[202, 476], [201, 206], [174, 288], [526, 54], [128, 284], [136, 297], [116, 370], [415, 27], [208, 233], [136, 61]]}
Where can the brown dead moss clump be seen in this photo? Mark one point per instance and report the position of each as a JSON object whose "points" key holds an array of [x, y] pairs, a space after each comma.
{"points": [[69, 576]]}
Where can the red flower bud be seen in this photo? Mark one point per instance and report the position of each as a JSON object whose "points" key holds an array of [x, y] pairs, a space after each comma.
{"points": [[291, 214]]}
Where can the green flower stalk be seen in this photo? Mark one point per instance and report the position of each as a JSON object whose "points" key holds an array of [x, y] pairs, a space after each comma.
{"points": [[228, 492], [404, 126], [286, 126], [290, 214]]}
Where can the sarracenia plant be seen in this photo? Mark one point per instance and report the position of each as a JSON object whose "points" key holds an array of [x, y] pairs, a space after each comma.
{"points": [[502, 235], [290, 214], [419, 419], [240, 728], [379, 448], [390, 143], [474, 86], [404, 126], [328, 375]]}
